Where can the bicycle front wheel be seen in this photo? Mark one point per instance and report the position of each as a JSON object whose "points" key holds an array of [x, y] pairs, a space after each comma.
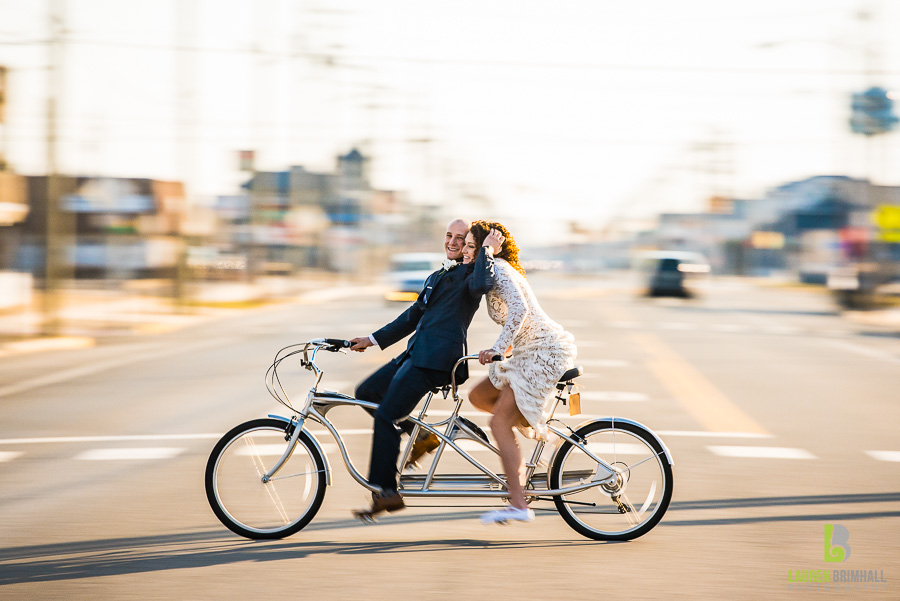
{"points": [[625, 505], [264, 510]]}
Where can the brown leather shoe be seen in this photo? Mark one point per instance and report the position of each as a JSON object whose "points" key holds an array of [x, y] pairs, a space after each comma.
{"points": [[426, 442], [381, 502]]}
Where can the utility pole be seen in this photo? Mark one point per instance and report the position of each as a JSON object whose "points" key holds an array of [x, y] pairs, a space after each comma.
{"points": [[58, 224], [186, 24]]}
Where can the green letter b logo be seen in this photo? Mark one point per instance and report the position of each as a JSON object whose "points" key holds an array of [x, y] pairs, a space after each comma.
{"points": [[837, 547]]}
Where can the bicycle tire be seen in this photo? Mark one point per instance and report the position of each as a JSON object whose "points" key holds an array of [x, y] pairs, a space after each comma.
{"points": [[596, 513], [257, 510]]}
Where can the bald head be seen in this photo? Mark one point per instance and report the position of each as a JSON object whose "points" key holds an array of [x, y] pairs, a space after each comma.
{"points": [[455, 238]]}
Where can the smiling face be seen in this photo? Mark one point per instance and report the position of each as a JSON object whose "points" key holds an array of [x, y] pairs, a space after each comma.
{"points": [[469, 250], [455, 239]]}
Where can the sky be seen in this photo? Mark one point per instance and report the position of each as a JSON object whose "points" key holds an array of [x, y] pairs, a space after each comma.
{"points": [[539, 114]]}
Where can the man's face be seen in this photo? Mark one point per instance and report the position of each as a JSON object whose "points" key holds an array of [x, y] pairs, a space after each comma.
{"points": [[455, 239]]}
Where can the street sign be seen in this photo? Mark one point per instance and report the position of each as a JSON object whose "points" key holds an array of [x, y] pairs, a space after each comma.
{"points": [[887, 218]]}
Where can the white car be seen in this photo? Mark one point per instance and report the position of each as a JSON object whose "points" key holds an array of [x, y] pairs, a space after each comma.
{"points": [[408, 273]]}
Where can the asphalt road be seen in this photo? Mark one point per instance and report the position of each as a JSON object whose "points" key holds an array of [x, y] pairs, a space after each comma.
{"points": [[780, 413]]}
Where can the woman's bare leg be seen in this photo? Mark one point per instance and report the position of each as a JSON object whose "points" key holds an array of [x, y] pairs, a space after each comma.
{"points": [[506, 416], [483, 396]]}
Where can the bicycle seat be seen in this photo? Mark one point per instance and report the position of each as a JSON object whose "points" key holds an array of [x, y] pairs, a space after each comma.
{"points": [[571, 374]]}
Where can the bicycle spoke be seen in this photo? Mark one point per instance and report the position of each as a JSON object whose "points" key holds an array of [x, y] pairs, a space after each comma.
{"points": [[257, 509], [626, 503]]}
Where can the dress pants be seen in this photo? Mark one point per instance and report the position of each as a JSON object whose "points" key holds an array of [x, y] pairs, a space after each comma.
{"points": [[397, 388]]}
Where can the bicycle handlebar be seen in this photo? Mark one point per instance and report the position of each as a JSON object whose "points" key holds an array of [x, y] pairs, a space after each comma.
{"points": [[337, 342], [497, 357]]}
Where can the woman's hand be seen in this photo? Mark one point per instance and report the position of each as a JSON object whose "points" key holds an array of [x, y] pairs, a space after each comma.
{"points": [[487, 356], [494, 240]]}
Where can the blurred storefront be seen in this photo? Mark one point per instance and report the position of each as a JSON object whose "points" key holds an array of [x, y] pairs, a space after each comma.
{"points": [[113, 227]]}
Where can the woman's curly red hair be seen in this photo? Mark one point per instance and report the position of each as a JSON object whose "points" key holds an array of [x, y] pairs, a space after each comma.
{"points": [[510, 251]]}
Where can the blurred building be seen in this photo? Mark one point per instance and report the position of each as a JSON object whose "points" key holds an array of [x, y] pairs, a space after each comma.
{"points": [[294, 219], [111, 227], [805, 228]]}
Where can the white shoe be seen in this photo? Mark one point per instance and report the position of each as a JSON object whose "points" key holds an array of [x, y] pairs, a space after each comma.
{"points": [[502, 516]]}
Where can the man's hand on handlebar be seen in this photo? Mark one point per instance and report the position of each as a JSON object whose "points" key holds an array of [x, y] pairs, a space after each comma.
{"points": [[360, 344]]}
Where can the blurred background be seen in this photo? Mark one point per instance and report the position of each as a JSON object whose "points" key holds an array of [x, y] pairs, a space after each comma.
{"points": [[227, 151], [706, 194]]}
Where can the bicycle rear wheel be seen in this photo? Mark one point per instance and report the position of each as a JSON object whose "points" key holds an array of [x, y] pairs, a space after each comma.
{"points": [[621, 508], [274, 509]]}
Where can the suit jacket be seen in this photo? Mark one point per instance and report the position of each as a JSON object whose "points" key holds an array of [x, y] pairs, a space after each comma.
{"points": [[439, 319]]}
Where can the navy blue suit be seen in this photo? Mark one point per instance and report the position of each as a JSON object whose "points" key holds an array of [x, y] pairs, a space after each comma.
{"points": [[438, 322]]}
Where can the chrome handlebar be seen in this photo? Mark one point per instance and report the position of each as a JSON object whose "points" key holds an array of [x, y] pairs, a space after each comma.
{"points": [[497, 357]]}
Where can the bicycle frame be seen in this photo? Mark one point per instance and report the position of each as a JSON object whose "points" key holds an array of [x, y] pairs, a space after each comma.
{"points": [[486, 484]]}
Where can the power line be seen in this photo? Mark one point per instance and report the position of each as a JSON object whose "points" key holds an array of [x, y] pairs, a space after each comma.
{"points": [[340, 60]]}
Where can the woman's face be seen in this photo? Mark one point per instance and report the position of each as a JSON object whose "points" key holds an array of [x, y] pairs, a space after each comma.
{"points": [[469, 251]]}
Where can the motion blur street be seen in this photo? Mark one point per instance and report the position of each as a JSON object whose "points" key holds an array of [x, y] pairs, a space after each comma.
{"points": [[780, 412]]}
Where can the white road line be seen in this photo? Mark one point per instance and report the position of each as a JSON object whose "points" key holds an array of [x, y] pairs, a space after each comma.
{"points": [[129, 454], [603, 363], [9, 455], [622, 324], [49, 439], [761, 452], [277, 449], [111, 363], [864, 351], [613, 395], [780, 329], [706, 434], [884, 455], [677, 325], [621, 448]]}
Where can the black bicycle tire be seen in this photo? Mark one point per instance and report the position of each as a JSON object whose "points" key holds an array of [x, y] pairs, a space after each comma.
{"points": [[565, 510], [288, 530]]}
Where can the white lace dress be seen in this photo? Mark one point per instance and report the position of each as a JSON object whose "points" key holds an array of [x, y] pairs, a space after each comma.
{"points": [[542, 350]]}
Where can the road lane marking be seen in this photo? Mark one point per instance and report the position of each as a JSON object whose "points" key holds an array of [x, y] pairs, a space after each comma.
{"points": [[761, 452], [884, 455], [111, 363], [613, 396], [620, 448], [603, 362], [864, 351], [9, 455], [677, 325], [277, 449], [697, 395], [622, 324], [129, 454], [729, 327], [705, 434], [781, 330]]}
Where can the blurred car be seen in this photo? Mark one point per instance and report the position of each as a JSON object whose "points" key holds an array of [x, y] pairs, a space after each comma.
{"points": [[407, 274], [864, 286], [667, 273]]}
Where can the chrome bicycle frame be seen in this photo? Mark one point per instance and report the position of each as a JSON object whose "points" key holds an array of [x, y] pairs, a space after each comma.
{"points": [[486, 484]]}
